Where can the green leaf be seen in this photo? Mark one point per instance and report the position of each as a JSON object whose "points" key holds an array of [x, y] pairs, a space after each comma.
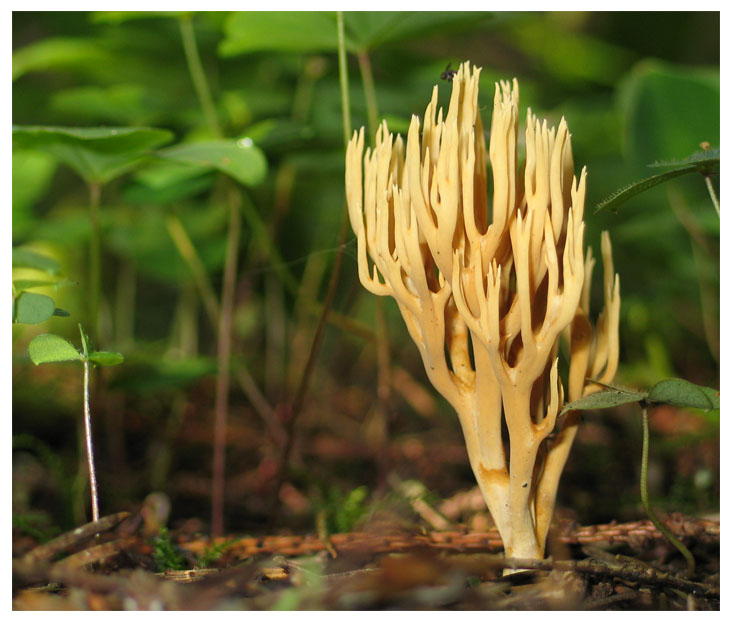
{"points": [[59, 53], [32, 174], [22, 285], [240, 159], [282, 31], [32, 308], [371, 29], [669, 110], [97, 154], [51, 348], [606, 399], [23, 257], [707, 161], [638, 187], [106, 358], [681, 393]]}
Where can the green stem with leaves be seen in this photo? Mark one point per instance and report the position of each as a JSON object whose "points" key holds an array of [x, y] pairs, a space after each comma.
{"points": [[690, 562]]}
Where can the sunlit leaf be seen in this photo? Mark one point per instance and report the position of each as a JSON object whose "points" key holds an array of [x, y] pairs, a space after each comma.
{"points": [[240, 159], [283, 31], [51, 348], [23, 285], [98, 154], [681, 393], [32, 308], [59, 53]]}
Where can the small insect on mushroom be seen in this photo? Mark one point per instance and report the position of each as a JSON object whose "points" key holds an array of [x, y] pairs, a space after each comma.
{"points": [[448, 73]]}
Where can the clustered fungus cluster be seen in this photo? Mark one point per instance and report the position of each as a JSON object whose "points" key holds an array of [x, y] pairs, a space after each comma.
{"points": [[488, 292]]}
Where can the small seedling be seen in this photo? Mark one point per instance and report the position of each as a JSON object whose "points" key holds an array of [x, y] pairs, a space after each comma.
{"points": [[675, 392], [47, 348]]}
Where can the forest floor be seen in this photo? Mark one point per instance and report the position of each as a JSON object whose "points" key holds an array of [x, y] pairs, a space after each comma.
{"points": [[116, 564]]}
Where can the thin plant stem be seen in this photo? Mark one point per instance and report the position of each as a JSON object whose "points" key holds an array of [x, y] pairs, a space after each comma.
{"points": [[343, 79], [88, 434], [187, 250], [367, 77], [690, 562], [712, 193], [198, 76], [228, 300], [302, 389], [95, 259]]}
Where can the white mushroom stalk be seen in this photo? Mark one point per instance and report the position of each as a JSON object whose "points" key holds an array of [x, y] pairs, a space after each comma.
{"points": [[486, 291]]}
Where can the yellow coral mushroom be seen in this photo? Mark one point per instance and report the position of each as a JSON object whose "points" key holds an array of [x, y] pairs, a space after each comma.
{"points": [[486, 293]]}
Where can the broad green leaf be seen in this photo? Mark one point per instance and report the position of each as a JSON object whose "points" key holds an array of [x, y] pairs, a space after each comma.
{"points": [[106, 358], [59, 53], [32, 308], [603, 400], [98, 154], [282, 31], [51, 348], [23, 257], [681, 393], [371, 29], [669, 110], [118, 103], [240, 159]]}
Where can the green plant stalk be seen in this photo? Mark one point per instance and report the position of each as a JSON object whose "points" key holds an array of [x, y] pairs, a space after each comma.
{"points": [[712, 193], [367, 77], [187, 250], [302, 389], [690, 562], [198, 76], [95, 259], [343, 78], [228, 300]]}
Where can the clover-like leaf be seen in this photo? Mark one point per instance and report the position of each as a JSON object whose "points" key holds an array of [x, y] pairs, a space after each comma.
{"points": [[97, 154], [33, 308], [51, 348], [611, 397], [681, 393]]}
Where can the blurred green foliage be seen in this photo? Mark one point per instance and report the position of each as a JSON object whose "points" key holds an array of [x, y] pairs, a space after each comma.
{"points": [[635, 88]]}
